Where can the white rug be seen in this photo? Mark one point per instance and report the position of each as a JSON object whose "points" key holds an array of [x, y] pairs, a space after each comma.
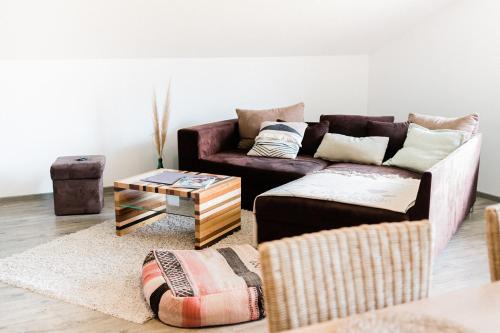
{"points": [[101, 271]]}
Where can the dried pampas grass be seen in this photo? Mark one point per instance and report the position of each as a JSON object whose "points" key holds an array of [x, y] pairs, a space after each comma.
{"points": [[160, 130], [165, 118], [156, 133]]}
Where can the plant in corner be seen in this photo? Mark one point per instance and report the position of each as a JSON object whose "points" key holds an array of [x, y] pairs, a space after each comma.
{"points": [[160, 129]]}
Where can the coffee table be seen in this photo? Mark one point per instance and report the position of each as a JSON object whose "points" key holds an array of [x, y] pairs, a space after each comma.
{"points": [[216, 209]]}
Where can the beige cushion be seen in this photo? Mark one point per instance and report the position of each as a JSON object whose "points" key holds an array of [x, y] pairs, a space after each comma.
{"points": [[424, 147], [468, 124], [343, 148], [249, 121]]}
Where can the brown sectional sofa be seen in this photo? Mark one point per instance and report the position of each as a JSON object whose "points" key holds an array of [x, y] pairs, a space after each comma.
{"points": [[446, 194]]}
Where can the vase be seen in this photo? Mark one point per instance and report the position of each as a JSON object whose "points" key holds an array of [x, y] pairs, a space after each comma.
{"points": [[160, 163]]}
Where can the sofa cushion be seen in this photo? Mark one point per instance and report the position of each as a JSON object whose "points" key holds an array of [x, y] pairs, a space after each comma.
{"points": [[352, 125], [468, 123], [423, 148], [343, 148], [396, 132], [239, 162], [259, 174], [313, 136], [249, 121], [278, 139]]}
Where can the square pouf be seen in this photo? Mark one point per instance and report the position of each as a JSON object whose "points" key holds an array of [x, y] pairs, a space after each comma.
{"points": [[190, 288], [77, 183]]}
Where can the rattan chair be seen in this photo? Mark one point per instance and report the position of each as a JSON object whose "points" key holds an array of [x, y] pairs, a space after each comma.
{"points": [[338, 273], [493, 240]]}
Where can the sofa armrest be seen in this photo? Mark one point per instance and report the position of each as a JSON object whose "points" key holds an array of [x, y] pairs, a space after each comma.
{"points": [[201, 141], [449, 188]]}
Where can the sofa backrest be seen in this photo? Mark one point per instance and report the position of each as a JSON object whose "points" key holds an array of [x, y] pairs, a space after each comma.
{"points": [[352, 125]]}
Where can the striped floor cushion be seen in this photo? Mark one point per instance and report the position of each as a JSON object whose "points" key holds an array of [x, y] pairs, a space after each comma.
{"points": [[189, 288]]}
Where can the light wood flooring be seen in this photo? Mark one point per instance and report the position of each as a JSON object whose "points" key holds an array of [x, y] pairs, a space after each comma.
{"points": [[29, 221]]}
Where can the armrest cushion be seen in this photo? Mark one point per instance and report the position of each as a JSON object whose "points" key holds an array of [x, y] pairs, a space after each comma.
{"points": [[201, 141]]}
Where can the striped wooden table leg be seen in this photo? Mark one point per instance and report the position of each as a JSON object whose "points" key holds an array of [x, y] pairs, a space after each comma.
{"points": [[129, 219], [217, 213]]}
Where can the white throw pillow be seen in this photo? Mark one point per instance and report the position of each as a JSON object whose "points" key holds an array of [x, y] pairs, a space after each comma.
{"points": [[424, 147], [278, 139], [343, 148]]}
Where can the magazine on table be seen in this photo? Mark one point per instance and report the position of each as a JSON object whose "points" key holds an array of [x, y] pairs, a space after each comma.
{"points": [[195, 182]]}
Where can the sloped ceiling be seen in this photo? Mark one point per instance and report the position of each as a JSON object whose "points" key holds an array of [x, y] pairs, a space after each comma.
{"points": [[203, 28]]}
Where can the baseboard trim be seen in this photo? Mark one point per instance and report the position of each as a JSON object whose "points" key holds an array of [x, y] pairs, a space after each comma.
{"points": [[110, 189], [26, 197], [107, 189], [488, 196]]}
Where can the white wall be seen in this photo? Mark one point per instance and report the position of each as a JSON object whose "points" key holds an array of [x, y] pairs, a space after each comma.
{"points": [[65, 107], [59, 29], [450, 66]]}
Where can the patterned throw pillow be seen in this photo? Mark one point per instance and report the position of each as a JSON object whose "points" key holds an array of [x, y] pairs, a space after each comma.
{"points": [[277, 139], [189, 288]]}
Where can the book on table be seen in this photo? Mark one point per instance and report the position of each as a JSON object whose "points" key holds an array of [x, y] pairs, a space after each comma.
{"points": [[166, 178]]}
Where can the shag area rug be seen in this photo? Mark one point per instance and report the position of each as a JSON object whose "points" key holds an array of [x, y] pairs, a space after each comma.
{"points": [[101, 271]]}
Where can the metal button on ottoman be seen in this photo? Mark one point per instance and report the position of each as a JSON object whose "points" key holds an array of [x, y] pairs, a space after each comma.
{"points": [[77, 182]]}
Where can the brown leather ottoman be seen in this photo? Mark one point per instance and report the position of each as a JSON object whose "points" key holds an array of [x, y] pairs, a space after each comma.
{"points": [[77, 182]]}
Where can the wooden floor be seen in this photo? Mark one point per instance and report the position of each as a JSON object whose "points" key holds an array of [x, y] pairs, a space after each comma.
{"points": [[29, 221]]}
